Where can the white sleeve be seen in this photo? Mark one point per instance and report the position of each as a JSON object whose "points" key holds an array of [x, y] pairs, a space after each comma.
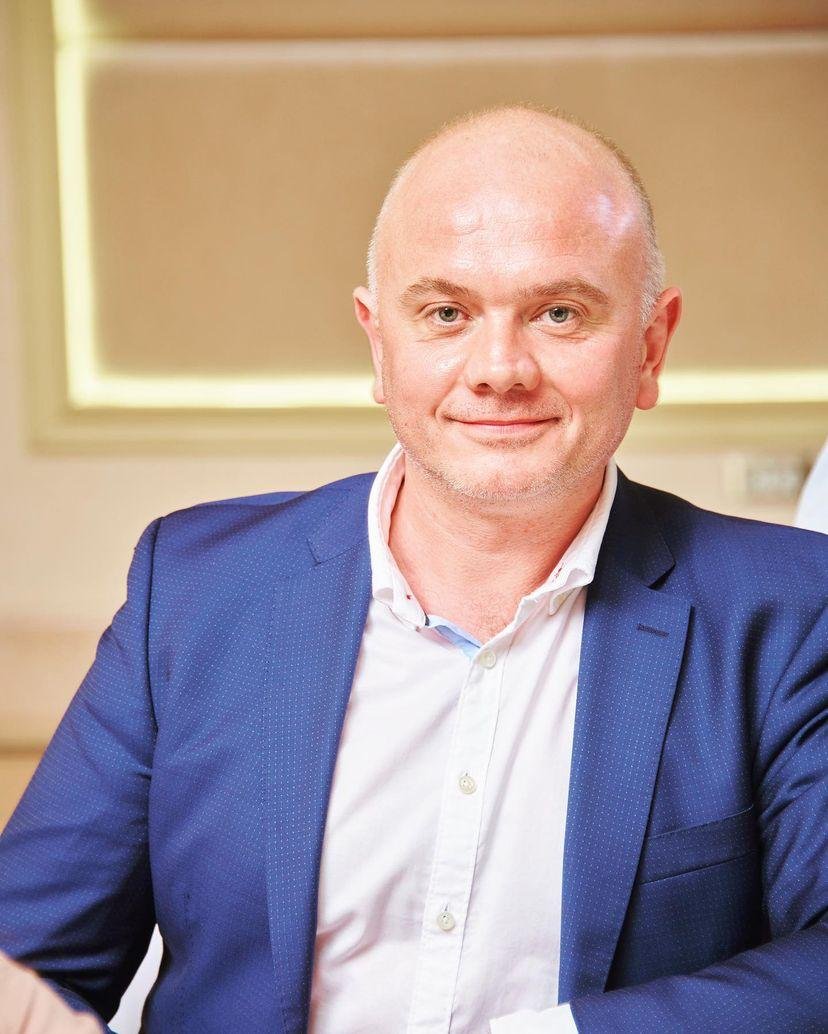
{"points": [[551, 1021]]}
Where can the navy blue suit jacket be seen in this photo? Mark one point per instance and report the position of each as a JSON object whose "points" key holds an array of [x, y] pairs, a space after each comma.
{"points": [[188, 782]]}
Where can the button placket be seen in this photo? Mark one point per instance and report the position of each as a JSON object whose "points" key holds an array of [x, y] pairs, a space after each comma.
{"points": [[455, 852], [445, 920], [487, 658]]}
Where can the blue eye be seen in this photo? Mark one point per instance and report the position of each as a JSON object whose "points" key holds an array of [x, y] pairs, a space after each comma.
{"points": [[447, 313], [559, 313]]}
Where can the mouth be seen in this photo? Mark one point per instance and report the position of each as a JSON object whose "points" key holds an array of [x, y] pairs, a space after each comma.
{"points": [[499, 428]]}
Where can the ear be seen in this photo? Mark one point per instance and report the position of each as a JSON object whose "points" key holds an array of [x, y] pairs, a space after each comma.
{"points": [[367, 316], [657, 334]]}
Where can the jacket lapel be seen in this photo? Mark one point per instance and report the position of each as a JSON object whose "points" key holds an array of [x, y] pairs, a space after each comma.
{"points": [[318, 620], [632, 647]]}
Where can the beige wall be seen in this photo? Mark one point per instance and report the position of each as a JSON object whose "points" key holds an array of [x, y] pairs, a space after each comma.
{"points": [[68, 523], [69, 518]]}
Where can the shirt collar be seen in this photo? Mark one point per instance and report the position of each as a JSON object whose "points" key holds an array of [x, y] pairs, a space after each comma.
{"points": [[575, 569], [387, 582]]}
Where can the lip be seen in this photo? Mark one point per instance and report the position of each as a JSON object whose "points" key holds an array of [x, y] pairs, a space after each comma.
{"points": [[506, 428], [503, 423]]}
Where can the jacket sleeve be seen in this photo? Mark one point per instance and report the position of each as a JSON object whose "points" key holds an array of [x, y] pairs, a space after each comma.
{"points": [[782, 985], [75, 889]]}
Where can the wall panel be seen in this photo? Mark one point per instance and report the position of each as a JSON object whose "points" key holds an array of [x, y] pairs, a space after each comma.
{"points": [[348, 18], [233, 186], [227, 191]]}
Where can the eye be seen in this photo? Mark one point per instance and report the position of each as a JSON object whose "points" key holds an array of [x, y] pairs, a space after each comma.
{"points": [[559, 313], [447, 314]]}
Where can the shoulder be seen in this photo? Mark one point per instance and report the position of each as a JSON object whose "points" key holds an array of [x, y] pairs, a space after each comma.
{"points": [[736, 555], [249, 524]]}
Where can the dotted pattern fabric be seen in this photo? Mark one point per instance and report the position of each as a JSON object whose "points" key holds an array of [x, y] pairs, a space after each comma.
{"points": [[188, 781], [698, 808]]}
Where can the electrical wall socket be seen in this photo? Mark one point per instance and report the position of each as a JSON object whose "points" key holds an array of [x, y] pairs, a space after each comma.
{"points": [[764, 477]]}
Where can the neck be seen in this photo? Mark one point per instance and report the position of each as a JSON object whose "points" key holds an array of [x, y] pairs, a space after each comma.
{"points": [[473, 561]]}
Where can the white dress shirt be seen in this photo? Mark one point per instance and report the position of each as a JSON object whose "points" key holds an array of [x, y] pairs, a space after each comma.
{"points": [[440, 886]]}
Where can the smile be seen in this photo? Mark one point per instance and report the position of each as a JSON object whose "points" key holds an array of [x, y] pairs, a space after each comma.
{"points": [[506, 428]]}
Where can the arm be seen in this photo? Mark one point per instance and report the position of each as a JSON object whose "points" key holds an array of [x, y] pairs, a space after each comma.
{"points": [[781, 986], [75, 888]]}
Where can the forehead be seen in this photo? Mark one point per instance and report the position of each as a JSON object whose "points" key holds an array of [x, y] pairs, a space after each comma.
{"points": [[506, 222]]}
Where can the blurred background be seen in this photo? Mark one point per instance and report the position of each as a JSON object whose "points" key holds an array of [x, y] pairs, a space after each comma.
{"points": [[186, 194]]}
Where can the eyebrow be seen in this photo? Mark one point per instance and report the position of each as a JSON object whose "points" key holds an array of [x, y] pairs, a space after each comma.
{"points": [[433, 285], [571, 285]]}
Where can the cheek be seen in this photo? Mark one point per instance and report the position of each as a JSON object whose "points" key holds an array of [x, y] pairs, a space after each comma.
{"points": [[407, 395], [445, 366], [598, 381], [584, 383], [419, 380], [608, 376]]}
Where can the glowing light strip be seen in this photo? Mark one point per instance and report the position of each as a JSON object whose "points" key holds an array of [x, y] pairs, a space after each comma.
{"points": [[91, 387], [73, 186], [95, 389], [744, 386], [292, 392], [71, 19]]}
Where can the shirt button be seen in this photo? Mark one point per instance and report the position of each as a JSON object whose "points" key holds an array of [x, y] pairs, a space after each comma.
{"points": [[467, 784], [445, 920], [488, 658]]}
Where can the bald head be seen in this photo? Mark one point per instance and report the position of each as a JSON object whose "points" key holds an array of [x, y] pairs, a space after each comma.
{"points": [[525, 151]]}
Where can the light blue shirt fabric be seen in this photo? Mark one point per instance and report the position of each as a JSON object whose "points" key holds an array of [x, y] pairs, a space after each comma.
{"points": [[454, 634]]}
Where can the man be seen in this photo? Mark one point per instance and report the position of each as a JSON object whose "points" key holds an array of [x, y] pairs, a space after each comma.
{"points": [[493, 731]]}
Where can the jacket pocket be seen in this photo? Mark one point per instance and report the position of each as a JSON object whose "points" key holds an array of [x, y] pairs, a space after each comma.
{"points": [[697, 847]]}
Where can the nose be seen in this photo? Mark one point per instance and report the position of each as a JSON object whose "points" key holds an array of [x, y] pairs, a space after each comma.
{"points": [[500, 359]]}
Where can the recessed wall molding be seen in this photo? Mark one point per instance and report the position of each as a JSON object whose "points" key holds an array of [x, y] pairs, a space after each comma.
{"points": [[198, 199]]}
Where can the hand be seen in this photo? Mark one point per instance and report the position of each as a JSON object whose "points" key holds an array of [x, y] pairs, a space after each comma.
{"points": [[30, 1006]]}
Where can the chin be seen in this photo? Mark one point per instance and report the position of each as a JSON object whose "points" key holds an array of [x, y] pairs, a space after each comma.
{"points": [[503, 486]]}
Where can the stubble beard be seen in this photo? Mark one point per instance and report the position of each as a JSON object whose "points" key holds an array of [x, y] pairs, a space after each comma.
{"points": [[555, 481]]}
